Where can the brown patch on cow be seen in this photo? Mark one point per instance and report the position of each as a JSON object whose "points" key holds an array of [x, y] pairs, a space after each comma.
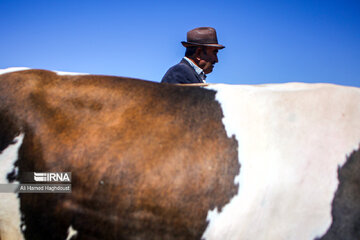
{"points": [[54, 115], [148, 160], [345, 207], [86, 104], [8, 130]]}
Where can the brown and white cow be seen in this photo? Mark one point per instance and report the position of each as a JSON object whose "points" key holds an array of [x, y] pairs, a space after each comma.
{"points": [[157, 161]]}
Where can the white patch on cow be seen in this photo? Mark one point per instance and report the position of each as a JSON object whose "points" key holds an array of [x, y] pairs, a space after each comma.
{"points": [[71, 233], [69, 73], [8, 158], [13, 69], [212, 214], [10, 217], [292, 138]]}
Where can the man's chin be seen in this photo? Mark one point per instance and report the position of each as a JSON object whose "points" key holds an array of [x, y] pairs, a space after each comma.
{"points": [[209, 70]]}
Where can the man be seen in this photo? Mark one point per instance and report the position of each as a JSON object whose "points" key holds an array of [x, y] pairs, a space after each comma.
{"points": [[200, 56]]}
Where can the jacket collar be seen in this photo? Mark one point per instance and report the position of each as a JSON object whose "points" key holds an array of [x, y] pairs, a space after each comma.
{"points": [[200, 73]]}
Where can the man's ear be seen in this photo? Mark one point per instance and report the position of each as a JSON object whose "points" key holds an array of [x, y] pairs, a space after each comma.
{"points": [[198, 53]]}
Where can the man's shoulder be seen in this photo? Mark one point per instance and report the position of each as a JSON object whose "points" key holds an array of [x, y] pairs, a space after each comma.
{"points": [[180, 73], [181, 66]]}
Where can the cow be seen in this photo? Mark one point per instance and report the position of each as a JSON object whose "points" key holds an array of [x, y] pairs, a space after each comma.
{"points": [[161, 161]]}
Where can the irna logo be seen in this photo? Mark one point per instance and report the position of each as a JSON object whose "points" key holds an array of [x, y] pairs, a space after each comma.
{"points": [[52, 177]]}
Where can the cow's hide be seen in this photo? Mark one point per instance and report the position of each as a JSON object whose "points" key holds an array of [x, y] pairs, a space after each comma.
{"points": [[158, 161]]}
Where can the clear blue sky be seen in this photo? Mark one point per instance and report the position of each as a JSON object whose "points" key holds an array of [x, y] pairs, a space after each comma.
{"points": [[266, 41]]}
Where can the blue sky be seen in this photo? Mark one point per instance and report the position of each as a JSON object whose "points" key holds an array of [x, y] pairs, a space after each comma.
{"points": [[266, 41]]}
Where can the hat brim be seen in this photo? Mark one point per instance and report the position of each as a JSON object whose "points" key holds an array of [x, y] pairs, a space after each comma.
{"points": [[192, 44]]}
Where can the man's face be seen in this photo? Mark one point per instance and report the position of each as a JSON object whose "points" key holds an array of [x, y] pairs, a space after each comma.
{"points": [[208, 58]]}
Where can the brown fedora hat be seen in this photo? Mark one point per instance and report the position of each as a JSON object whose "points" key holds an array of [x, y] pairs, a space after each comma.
{"points": [[202, 36]]}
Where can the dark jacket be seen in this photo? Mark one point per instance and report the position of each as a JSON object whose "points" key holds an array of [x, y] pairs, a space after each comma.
{"points": [[181, 73]]}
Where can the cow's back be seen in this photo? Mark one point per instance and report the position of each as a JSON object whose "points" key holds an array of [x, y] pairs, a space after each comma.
{"points": [[157, 161], [147, 160]]}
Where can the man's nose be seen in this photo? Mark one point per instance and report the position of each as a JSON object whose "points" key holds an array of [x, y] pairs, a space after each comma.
{"points": [[216, 59]]}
